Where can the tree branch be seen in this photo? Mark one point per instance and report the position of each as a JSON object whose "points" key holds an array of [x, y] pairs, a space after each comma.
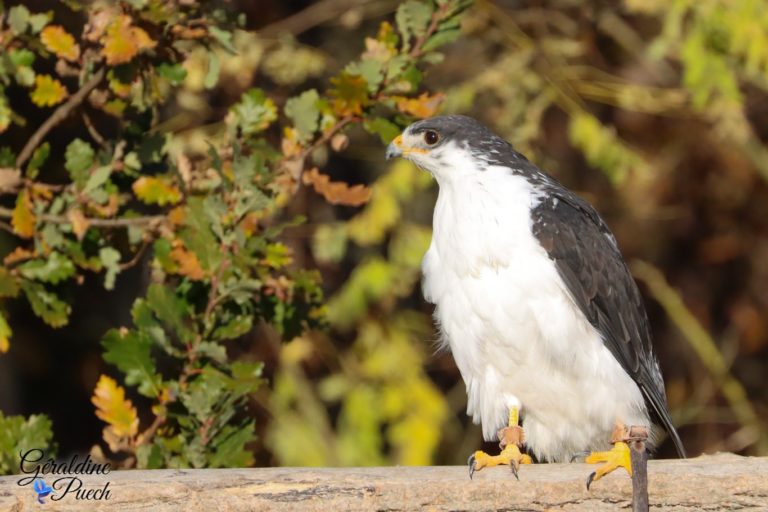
{"points": [[437, 17], [58, 116]]}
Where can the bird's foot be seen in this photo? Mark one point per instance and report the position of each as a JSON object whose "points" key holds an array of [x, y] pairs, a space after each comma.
{"points": [[617, 457], [510, 440], [510, 455]]}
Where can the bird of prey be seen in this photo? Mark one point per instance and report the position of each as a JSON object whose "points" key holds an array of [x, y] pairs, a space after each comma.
{"points": [[536, 304]]}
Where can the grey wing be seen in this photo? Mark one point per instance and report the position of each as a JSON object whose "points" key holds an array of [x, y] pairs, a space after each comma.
{"points": [[588, 259]]}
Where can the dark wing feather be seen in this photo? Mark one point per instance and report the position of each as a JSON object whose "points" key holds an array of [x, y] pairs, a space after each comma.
{"points": [[589, 261]]}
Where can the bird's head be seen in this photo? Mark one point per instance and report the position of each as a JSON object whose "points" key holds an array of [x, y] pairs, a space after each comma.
{"points": [[448, 146]]}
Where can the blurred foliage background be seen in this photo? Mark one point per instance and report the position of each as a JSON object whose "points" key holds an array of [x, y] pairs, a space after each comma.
{"points": [[653, 111]]}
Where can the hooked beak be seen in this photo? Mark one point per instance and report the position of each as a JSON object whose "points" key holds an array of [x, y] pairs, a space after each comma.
{"points": [[395, 148]]}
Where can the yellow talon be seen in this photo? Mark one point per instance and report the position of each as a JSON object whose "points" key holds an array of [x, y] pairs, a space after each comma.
{"points": [[510, 455], [511, 439], [617, 457]]}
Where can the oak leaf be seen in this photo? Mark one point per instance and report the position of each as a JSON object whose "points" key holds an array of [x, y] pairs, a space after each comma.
{"points": [[188, 263], [122, 41], [79, 222], [336, 192], [18, 254], [60, 42], [350, 94], [421, 107], [23, 219], [48, 91], [153, 190], [113, 408], [5, 334]]}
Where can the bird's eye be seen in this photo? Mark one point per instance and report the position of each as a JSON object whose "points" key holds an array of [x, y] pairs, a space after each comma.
{"points": [[431, 137]]}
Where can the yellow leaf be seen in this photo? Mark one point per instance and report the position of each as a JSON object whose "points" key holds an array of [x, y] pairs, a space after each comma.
{"points": [[5, 334], [79, 222], [423, 106], [188, 263], [60, 42], [22, 219], [119, 88], [336, 192], [152, 190], [48, 91], [122, 41], [176, 216], [113, 408]]}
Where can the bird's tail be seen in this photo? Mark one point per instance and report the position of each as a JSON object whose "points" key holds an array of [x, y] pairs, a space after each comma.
{"points": [[666, 422]]}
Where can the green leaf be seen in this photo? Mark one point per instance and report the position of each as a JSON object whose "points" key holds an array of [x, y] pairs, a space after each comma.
{"points": [[144, 320], [152, 148], [441, 38], [18, 18], [19, 435], [224, 38], [53, 269], [235, 328], [412, 18], [97, 179], [78, 159], [21, 57], [329, 243], [46, 305], [385, 129], [38, 159], [22, 60], [38, 21], [246, 377], [7, 158], [203, 394], [130, 352], [229, 447], [170, 309], [9, 286], [371, 70], [254, 112], [174, 73], [5, 121], [149, 456], [199, 237], [110, 258], [214, 67], [304, 113], [215, 351]]}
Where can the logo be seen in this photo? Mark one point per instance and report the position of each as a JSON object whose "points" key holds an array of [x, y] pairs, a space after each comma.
{"points": [[42, 489], [66, 477]]}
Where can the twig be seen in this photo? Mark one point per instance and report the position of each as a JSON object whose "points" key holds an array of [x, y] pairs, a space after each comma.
{"points": [[136, 257], [58, 116], [123, 222], [6, 227], [215, 281], [437, 17], [95, 135], [704, 347], [148, 434], [327, 136]]}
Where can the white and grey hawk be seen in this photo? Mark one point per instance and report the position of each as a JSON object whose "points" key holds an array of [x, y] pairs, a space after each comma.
{"points": [[535, 302]]}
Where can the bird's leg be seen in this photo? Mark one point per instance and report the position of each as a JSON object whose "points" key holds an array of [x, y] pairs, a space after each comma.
{"points": [[511, 438], [619, 456]]}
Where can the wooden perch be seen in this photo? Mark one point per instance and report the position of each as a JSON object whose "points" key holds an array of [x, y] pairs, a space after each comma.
{"points": [[716, 482]]}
